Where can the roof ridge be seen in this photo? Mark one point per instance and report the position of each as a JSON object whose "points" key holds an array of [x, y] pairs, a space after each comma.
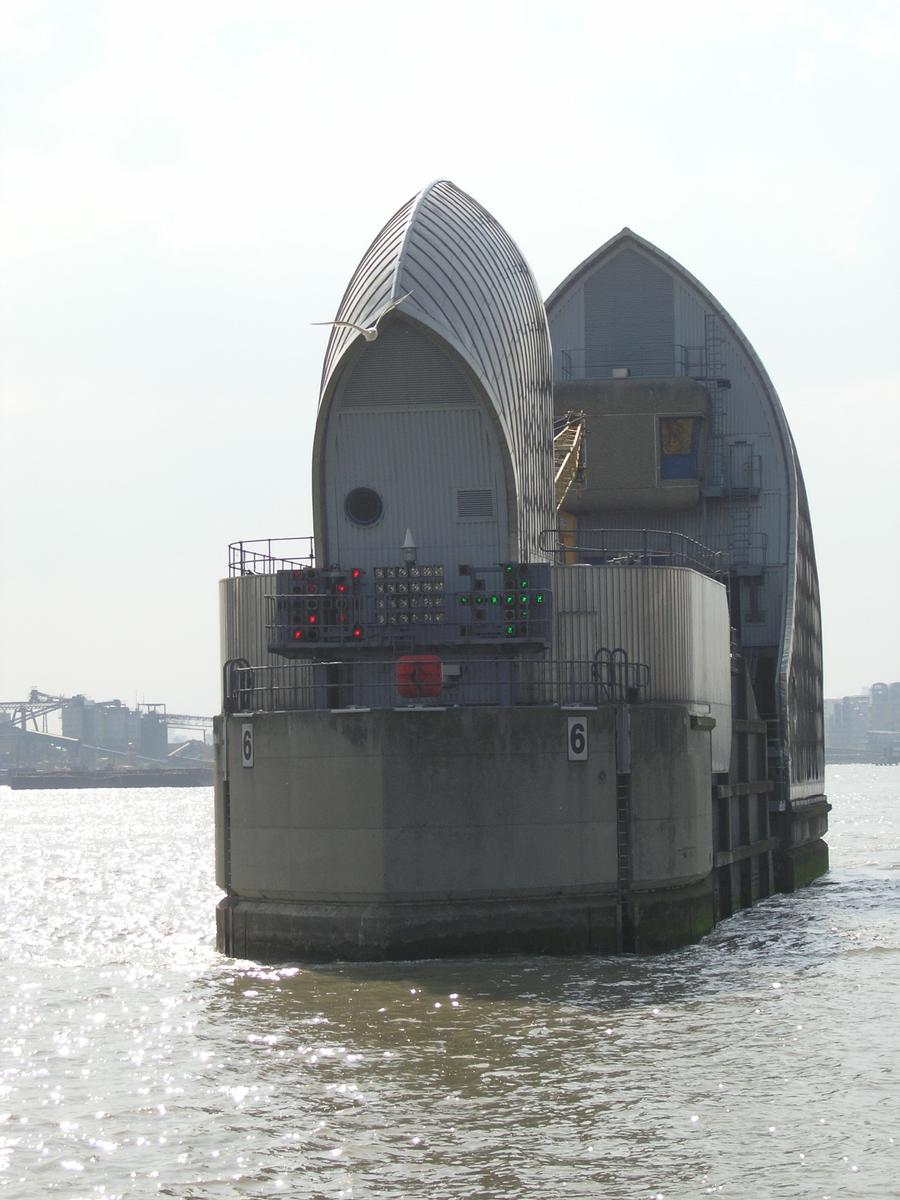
{"points": [[404, 242]]}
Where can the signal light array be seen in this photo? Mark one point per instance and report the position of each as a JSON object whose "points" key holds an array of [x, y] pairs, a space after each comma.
{"points": [[517, 610], [319, 605], [410, 595]]}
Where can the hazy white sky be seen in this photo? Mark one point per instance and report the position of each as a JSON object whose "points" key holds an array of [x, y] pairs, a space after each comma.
{"points": [[185, 186]]}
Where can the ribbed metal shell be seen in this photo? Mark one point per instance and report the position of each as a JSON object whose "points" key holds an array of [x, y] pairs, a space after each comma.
{"points": [[631, 305], [671, 618], [472, 288], [242, 619]]}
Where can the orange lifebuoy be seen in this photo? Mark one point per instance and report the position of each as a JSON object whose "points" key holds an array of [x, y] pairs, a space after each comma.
{"points": [[419, 676]]}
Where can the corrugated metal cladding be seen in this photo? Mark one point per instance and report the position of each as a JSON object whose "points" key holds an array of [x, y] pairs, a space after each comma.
{"points": [[670, 618], [610, 291], [407, 421], [242, 619], [629, 318], [801, 674], [403, 368], [472, 288], [391, 452]]}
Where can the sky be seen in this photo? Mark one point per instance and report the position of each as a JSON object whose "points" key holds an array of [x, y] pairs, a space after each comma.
{"points": [[185, 186]]}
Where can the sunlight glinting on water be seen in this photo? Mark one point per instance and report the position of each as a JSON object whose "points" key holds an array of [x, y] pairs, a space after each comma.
{"points": [[138, 1062]]}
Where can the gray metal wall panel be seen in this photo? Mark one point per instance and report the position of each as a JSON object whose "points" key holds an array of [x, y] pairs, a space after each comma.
{"points": [[569, 331], [406, 421], [690, 313], [403, 368], [471, 286], [670, 618], [393, 452], [629, 317], [242, 619]]}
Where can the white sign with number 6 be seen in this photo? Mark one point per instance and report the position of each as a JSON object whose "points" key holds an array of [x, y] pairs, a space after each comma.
{"points": [[577, 739], [246, 745]]}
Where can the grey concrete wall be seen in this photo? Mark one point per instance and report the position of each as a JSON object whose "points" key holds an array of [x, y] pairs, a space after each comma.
{"points": [[424, 804], [457, 804], [671, 798], [622, 453]]}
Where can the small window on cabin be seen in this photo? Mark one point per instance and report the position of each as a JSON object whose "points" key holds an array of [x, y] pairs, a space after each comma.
{"points": [[679, 442]]}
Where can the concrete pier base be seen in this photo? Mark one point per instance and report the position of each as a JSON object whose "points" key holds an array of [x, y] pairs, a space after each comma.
{"points": [[314, 932], [802, 855], [420, 833], [797, 866]]}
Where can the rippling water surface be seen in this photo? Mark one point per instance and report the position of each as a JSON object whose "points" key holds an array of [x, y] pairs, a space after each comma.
{"points": [[137, 1062]]}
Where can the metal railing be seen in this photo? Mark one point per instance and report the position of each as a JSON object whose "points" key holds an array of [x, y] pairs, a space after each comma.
{"points": [[635, 547], [422, 681], [265, 556], [616, 678], [580, 362]]}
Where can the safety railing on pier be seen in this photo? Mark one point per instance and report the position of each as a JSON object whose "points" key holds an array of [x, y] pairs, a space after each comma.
{"points": [[633, 547], [426, 681], [265, 556]]}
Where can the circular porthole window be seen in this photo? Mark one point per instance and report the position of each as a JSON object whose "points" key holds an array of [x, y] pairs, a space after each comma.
{"points": [[363, 506]]}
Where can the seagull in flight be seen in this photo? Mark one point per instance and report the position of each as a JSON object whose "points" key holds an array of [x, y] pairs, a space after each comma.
{"points": [[369, 332]]}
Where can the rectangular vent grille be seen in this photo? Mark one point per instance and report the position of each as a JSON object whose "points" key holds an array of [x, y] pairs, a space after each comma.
{"points": [[474, 504]]}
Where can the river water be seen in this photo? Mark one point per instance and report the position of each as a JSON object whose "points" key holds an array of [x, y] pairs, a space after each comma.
{"points": [[135, 1061]]}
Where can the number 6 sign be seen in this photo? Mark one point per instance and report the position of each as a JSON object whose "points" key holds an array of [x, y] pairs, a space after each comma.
{"points": [[577, 739], [246, 745]]}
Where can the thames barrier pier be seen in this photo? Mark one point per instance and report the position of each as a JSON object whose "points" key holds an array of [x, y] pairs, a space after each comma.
{"points": [[547, 677]]}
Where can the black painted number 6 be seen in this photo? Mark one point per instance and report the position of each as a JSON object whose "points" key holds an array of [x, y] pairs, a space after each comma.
{"points": [[577, 738]]}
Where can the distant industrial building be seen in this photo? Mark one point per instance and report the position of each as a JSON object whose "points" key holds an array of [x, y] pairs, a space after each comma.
{"points": [[114, 727], [58, 732]]}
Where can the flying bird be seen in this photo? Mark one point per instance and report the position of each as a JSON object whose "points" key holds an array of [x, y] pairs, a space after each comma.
{"points": [[369, 332]]}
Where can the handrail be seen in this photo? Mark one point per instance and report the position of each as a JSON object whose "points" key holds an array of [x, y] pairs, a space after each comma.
{"points": [[464, 682], [635, 547], [690, 362], [265, 556]]}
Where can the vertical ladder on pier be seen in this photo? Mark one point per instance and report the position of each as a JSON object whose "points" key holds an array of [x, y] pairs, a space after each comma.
{"points": [[739, 532], [626, 930]]}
